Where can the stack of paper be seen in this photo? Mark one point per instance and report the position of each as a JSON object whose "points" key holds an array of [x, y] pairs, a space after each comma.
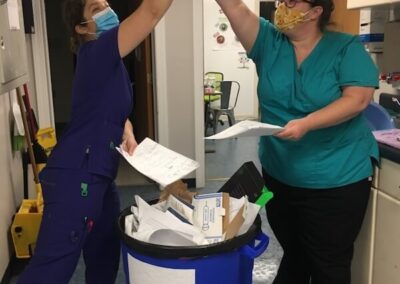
{"points": [[149, 224], [247, 128], [159, 163], [210, 219]]}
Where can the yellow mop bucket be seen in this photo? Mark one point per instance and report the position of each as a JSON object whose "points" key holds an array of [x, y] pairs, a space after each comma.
{"points": [[25, 227], [26, 223], [46, 137]]}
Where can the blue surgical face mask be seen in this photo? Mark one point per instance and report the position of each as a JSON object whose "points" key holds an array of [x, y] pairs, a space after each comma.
{"points": [[105, 20]]}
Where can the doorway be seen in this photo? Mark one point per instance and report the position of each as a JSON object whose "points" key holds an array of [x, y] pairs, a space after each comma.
{"points": [[62, 63]]}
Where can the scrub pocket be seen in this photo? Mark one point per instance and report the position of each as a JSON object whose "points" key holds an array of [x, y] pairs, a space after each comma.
{"points": [[72, 203]]}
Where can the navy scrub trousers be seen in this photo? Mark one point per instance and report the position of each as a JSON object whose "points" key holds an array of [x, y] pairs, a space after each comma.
{"points": [[80, 214]]}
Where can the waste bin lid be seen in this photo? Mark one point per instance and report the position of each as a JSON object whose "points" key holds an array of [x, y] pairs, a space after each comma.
{"points": [[161, 251]]}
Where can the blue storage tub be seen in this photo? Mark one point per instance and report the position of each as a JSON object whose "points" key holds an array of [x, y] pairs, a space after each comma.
{"points": [[377, 117], [230, 261]]}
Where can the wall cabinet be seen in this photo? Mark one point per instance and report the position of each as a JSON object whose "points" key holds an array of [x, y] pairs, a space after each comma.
{"points": [[13, 66], [363, 247], [389, 178], [386, 261], [368, 3], [376, 250]]}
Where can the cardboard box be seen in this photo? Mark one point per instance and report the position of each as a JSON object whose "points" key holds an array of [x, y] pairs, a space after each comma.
{"points": [[211, 215], [234, 226], [372, 26], [371, 15]]}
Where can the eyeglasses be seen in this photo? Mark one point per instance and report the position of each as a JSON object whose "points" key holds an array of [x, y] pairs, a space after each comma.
{"points": [[291, 3]]}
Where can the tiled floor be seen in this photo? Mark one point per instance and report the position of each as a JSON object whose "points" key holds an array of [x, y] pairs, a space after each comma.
{"points": [[228, 157]]}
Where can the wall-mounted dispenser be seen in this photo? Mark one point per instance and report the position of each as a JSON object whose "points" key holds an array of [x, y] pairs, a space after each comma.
{"points": [[13, 58]]}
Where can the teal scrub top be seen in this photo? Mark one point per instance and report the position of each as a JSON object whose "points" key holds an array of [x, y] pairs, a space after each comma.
{"points": [[323, 158]]}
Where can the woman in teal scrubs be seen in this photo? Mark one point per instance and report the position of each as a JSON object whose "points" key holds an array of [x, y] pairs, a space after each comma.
{"points": [[315, 83]]}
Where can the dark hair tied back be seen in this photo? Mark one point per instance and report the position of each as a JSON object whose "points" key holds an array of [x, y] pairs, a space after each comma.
{"points": [[73, 15]]}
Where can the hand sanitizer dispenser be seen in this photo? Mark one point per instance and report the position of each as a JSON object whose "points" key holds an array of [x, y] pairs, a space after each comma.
{"points": [[13, 58]]}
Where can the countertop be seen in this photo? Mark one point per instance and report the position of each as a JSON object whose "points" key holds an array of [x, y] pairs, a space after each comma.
{"points": [[389, 153]]}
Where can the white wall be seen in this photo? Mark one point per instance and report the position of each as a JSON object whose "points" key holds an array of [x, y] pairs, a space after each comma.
{"points": [[11, 173], [179, 80], [225, 57], [11, 181], [179, 60]]}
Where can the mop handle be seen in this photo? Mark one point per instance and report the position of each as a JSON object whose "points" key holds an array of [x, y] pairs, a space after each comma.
{"points": [[27, 136]]}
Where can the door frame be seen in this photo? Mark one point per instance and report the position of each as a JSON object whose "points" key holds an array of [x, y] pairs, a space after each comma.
{"points": [[161, 86], [41, 66]]}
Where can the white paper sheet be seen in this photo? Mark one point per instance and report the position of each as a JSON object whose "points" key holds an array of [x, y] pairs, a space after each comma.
{"points": [[152, 220], [247, 128], [13, 15], [159, 163]]}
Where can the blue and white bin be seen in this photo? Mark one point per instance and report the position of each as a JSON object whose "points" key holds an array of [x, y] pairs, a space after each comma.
{"points": [[229, 262]]}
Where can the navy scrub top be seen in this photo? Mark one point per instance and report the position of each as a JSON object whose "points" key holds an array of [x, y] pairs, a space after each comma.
{"points": [[101, 103], [323, 158]]}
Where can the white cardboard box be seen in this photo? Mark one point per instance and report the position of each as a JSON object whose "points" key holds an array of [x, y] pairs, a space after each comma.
{"points": [[211, 215], [371, 15], [372, 26]]}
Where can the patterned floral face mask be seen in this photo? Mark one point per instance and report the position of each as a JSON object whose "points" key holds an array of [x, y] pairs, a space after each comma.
{"points": [[288, 18]]}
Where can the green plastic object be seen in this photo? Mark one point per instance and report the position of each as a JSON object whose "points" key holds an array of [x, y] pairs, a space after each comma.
{"points": [[18, 143], [84, 189], [211, 98], [265, 197]]}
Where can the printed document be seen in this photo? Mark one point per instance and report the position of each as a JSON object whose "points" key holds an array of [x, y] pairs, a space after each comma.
{"points": [[247, 128], [159, 163]]}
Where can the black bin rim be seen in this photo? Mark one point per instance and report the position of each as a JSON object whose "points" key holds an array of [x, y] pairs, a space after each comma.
{"points": [[163, 251]]}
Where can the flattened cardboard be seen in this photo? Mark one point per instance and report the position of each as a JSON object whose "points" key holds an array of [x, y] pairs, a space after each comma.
{"points": [[179, 189], [234, 226]]}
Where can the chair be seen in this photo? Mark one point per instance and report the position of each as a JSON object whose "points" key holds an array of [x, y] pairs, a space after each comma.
{"points": [[229, 96], [377, 117], [214, 79], [217, 77]]}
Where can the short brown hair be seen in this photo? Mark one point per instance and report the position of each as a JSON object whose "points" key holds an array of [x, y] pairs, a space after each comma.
{"points": [[328, 7]]}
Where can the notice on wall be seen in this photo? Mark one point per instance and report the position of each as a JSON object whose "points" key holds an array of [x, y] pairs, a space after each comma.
{"points": [[13, 15]]}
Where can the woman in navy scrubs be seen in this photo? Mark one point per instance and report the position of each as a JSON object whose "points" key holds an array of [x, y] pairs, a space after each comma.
{"points": [[81, 201]]}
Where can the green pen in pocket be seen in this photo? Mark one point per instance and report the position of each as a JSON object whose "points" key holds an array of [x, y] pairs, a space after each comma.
{"points": [[84, 189]]}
